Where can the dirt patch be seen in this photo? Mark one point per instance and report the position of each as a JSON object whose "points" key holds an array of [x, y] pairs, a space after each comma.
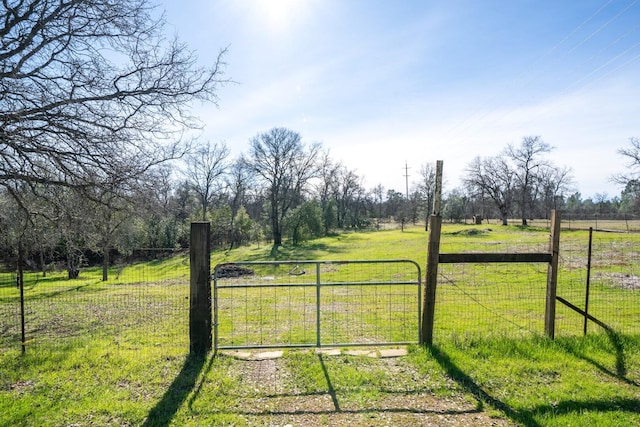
{"points": [[403, 396], [469, 232], [620, 280], [233, 270]]}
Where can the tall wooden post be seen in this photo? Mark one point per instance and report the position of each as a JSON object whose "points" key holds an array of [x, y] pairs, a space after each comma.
{"points": [[552, 276], [200, 340], [437, 199], [428, 315], [433, 254]]}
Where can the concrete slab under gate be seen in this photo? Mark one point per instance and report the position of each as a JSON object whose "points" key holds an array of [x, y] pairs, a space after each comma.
{"points": [[268, 355]]}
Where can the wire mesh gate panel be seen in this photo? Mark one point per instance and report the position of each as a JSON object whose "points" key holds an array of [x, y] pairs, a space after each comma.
{"points": [[316, 303]]}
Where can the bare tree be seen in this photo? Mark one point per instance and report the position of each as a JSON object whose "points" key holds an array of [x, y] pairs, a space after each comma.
{"points": [[204, 171], [325, 188], [492, 177], [552, 184], [528, 160], [285, 165], [632, 155], [378, 193], [347, 194], [426, 187], [91, 91], [238, 181]]}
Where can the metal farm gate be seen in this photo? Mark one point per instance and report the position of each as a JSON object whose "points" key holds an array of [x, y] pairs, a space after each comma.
{"points": [[287, 304]]}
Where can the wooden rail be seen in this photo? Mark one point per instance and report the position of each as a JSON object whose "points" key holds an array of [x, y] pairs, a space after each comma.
{"points": [[434, 257]]}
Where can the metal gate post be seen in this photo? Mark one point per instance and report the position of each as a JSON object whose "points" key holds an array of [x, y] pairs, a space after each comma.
{"points": [[588, 290], [552, 276], [200, 289], [318, 341]]}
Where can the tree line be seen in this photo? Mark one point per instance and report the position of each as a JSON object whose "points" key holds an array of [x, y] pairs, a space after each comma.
{"points": [[96, 161], [280, 190]]}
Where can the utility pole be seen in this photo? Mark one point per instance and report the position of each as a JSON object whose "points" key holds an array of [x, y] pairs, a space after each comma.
{"points": [[406, 178]]}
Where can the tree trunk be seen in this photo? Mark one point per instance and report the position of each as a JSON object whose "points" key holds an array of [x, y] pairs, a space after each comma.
{"points": [[504, 215], [105, 264], [277, 237], [43, 266]]}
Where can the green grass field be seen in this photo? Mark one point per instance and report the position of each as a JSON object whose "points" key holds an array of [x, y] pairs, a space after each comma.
{"points": [[116, 352]]}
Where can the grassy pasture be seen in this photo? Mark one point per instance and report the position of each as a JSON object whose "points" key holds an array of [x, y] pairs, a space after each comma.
{"points": [[115, 353]]}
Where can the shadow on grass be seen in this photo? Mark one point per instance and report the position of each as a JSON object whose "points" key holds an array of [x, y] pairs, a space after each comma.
{"points": [[175, 396], [526, 417], [470, 386], [302, 251], [617, 342], [332, 391]]}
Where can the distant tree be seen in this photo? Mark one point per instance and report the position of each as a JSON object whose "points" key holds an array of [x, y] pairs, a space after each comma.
{"points": [[326, 187], [427, 188], [304, 222], [632, 156], [492, 177], [454, 206], [285, 166], [521, 178], [394, 203], [347, 194], [552, 184], [204, 171], [574, 203], [528, 162], [162, 207], [630, 197], [242, 229], [110, 211], [378, 193], [412, 206], [238, 181], [220, 218]]}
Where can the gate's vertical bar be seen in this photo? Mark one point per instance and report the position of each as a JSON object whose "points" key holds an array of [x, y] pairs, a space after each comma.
{"points": [[586, 297], [419, 303], [318, 304], [200, 289], [215, 310], [552, 275]]}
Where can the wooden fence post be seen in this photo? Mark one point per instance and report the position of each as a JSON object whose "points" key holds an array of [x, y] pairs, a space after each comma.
{"points": [[200, 340], [552, 276], [433, 255], [428, 315]]}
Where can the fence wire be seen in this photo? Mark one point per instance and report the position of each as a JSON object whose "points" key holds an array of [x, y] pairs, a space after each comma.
{"points": [[485, 300], [142, 308], [316, 303], [138, 309], [613, 277], [507, 299]]}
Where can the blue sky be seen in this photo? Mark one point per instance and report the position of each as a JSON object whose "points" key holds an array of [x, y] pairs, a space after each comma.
{"points": [[381, 83]]}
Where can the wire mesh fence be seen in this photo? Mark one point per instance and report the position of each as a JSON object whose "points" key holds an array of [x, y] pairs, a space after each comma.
{"points": [[145, 307], [606, 284], [508, 299], [139, 308], [476, 300], [316, 303]]}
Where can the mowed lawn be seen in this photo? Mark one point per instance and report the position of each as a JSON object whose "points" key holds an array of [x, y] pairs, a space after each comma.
{"points": [[116, 352]]}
